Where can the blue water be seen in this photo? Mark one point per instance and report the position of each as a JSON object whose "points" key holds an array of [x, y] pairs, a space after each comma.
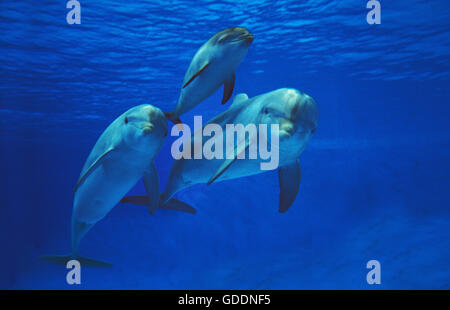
{"points": [[375, 179]]}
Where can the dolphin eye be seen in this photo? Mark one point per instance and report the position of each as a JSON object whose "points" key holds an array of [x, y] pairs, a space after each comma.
{"points": [[126, 120], [266, 111]]}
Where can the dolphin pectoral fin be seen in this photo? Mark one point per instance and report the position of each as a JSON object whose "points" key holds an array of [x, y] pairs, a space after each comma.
{"points": [[94, 166], [151, 183], [221, 170], [228, 87], [177, 205], [196, 74], [228, 162], [289, 177]]}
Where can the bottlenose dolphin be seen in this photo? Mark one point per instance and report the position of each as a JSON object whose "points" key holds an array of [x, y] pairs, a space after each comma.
{"points": [[123, 154], [214, 64], [296, 114]]}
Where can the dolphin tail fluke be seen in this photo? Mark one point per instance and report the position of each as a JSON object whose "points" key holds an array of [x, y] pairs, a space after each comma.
{"points": [[141, 200], [84, 261], [178, 205], [171, 204], [173, 118], [79, 230]]}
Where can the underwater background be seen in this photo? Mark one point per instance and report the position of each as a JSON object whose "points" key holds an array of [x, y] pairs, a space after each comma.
{"points": [[375, 176]]}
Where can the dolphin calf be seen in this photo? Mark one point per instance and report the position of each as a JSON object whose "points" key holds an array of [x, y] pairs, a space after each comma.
{"points": [[296, 114], [123, 154], [214, 64]]}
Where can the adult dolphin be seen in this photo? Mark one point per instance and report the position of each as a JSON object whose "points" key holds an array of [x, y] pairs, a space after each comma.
{"points": [[123, 154], [296, 114], [214, 64]]}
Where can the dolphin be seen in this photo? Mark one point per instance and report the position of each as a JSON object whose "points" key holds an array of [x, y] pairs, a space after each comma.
{"points": [[213, 64], [122, 155], [295, 112]]}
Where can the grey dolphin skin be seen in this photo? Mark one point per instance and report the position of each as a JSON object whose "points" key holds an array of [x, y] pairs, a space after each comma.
{"points": [[296, 114], [213, 65], [123, 154]]}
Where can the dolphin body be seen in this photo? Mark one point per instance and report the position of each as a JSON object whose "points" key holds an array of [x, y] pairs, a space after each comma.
{"points": [[213, 64], [297, 116], [123, 154]]}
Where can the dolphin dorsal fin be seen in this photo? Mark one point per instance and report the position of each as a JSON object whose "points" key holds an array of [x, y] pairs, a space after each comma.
{"points": [[239, 98]]}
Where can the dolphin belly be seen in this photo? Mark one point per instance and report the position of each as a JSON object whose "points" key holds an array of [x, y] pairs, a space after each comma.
{"points": [[102, 191], [188, 172], [241, 168], [201, 88]]}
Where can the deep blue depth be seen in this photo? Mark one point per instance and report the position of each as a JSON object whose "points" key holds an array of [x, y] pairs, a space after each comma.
{"points": [[375, 175]]}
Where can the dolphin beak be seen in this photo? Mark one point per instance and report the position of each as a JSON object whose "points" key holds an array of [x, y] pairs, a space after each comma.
{"points": [[287, 128], [249, 38], [148, 129]]}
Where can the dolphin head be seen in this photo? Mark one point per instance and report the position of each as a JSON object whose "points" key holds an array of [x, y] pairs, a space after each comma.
{"points": [[233, 36], [144, 128], [232, 43], [295, 112]]}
